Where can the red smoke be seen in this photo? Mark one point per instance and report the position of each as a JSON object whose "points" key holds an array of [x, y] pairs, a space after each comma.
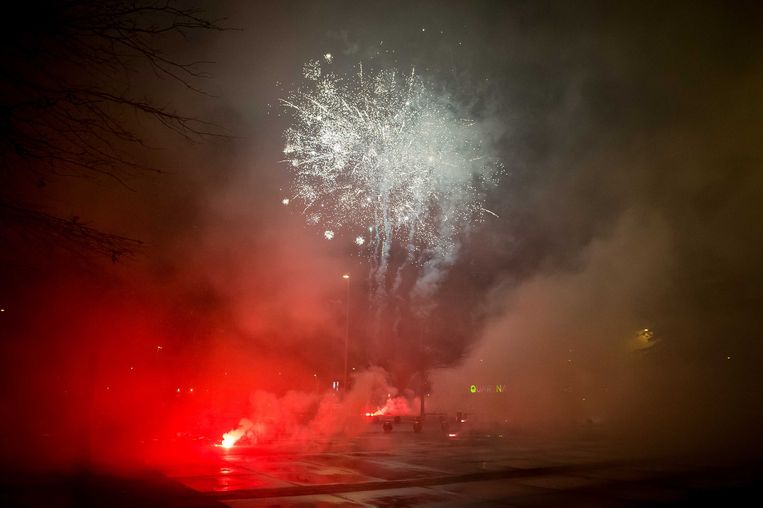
{"points": [[95, 372]]}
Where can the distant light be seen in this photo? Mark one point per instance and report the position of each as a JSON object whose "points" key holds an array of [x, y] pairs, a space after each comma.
{"points": [[452, 434], [2, 310], [178, 390], [191, 390], [285, 201], [728, 358], [328, 57], [346, 276], [328, 234], [359, 240], [159, 348], [423, 29]]}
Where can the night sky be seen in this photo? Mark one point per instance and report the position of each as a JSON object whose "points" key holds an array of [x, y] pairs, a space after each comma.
{"points": [[632, 196]]}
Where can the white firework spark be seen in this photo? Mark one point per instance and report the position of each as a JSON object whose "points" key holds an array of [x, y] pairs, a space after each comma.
{"points": [[383, 151]]}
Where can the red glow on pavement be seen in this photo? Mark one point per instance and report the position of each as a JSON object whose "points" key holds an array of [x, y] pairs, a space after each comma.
{"points": [[398, 406], [379, 412]]}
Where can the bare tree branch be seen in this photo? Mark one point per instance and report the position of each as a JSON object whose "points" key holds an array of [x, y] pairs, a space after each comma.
{"points": [[68, 104], [71, 234]]}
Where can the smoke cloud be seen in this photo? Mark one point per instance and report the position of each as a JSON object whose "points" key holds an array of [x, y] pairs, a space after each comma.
{"points": [[631, 142], [310, 420], [560, 342]]}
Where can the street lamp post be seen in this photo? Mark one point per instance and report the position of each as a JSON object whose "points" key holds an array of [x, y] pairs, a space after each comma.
{"points": [[346, 277]]}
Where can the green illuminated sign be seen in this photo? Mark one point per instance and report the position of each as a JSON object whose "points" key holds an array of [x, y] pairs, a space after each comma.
{"points": [[487, 388]]}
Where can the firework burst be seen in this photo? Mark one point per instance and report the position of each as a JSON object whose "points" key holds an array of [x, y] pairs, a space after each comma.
{"points": [[382, 154]]}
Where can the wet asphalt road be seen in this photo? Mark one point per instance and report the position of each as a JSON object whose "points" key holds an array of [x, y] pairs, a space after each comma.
{"points": [[474, 469], [403, 469]]}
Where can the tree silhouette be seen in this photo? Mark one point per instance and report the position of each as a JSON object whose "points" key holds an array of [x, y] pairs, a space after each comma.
{"points": [[69, 102]]}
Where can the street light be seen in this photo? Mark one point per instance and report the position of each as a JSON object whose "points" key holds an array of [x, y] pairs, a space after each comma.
{"points": [[346, 277]]}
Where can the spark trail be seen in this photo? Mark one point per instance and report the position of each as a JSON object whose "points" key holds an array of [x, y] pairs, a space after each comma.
{"points": [[380, 157]]}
